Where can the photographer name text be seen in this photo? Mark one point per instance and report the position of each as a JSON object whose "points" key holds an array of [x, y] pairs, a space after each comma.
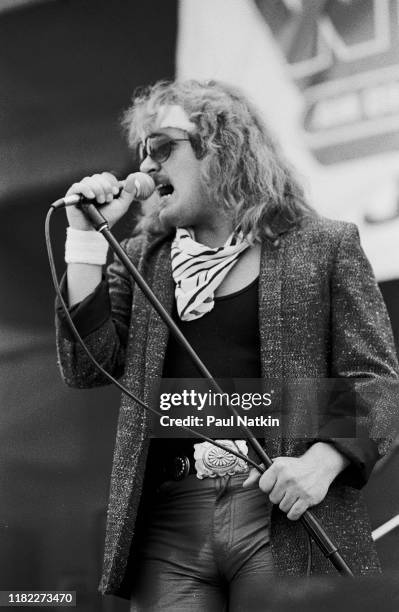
{"points": [[212, 421]]}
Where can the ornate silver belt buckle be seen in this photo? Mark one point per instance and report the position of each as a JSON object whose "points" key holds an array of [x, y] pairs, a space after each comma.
{"points": [[212, 461]]}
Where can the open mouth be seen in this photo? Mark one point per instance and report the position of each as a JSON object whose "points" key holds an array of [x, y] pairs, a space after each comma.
{"points": [[165, 189]]}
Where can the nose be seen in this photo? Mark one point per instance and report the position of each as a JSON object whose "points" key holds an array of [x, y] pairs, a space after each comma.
{"points": [[148, 165]]}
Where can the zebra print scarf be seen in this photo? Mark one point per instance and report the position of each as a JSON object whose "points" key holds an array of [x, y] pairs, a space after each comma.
{"points": [[198, 270]]}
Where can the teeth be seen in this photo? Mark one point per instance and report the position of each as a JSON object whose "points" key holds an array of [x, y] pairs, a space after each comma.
{"points": [[161, 187]]}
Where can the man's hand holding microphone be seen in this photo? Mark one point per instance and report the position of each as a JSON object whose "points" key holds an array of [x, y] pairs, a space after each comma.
{"points": [[86, 249], [114, 196]]}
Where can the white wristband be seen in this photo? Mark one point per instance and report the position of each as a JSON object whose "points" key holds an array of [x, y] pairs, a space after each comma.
{"points": [[88, 247]]}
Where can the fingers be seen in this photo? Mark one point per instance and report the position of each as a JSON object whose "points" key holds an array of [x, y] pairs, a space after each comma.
{"points": [[277, 493], [287, 502], [287, 498], [81, 188], [102, 187], [297, 509], [268, 480], [253, 477], [293, 485], [290, 485]]}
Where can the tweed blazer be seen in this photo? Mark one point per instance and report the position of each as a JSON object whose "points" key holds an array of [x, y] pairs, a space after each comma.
{"points": [[320, 315]]}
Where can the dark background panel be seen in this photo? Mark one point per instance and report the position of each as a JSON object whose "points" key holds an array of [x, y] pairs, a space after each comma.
{"points": [[68, 70]]}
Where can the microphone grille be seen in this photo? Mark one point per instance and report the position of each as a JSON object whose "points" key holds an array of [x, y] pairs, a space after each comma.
{"points": [[144, 184]]}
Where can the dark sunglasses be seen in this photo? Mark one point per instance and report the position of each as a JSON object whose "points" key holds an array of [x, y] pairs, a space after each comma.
{"points": [[158, 147]]}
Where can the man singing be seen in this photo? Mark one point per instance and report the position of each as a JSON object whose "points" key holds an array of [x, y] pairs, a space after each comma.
{"points": [[262, 287]]}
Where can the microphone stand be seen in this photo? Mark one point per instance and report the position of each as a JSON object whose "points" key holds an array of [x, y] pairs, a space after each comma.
{"points": [[311, 524]]}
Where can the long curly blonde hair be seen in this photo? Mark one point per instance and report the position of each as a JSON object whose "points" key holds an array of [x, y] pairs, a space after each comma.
{"points": [[244, 169]]}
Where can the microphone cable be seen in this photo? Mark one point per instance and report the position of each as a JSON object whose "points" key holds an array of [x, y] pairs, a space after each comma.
{"points": [[56, 205]]}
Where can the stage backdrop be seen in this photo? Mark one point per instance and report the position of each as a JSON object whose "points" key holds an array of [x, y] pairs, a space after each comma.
{"points": [[325, 75]]}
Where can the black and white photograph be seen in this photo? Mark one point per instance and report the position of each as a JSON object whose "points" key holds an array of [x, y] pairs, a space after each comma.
{"points": [[200, 314]]}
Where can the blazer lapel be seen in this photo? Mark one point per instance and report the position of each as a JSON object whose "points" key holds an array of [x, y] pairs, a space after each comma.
{"points": [[270, 324], [158, 331], [270, 311], [270, 331]]}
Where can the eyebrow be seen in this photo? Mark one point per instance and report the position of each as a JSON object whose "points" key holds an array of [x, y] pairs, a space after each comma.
{"points": [[161, 132]]}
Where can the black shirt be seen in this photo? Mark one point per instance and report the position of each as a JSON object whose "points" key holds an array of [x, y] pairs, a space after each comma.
{"points": [[226, 339]]}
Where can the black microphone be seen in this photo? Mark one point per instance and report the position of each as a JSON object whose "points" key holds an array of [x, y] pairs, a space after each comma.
{"points": [[144, 186]]}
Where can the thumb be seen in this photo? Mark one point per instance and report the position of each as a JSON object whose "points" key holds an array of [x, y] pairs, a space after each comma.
{"points": [[140, 184], [129, 189]]}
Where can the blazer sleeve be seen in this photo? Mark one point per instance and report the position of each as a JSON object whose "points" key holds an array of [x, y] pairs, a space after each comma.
{"points": [[103, 320], [363, 351]]}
